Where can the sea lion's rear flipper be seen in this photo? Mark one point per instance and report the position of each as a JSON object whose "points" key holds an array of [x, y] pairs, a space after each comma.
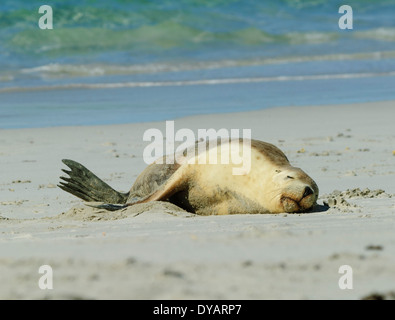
{"points": [[106, 206], [87, 186]]}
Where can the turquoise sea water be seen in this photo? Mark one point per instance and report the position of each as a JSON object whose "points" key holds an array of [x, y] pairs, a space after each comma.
{"points": [[130, 61]]}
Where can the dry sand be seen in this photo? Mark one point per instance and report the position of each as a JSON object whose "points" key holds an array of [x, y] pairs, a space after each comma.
{"points": [[157, 251]]}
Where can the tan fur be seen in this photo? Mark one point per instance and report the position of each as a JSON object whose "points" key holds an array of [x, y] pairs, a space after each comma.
{"points": [[271, 186]]}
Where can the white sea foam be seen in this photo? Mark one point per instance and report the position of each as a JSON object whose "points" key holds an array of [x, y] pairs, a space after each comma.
{"points": [[57, 70], [197, 82]]}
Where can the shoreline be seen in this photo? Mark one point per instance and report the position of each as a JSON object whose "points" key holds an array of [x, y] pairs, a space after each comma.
{"points": [[158, 252], [123, 105], [206, 115]]}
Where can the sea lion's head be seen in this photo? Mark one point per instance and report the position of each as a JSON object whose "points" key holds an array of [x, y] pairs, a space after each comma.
{"points": [[297, 191]]}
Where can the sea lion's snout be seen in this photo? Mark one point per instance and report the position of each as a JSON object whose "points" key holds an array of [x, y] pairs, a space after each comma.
{"points": [[299, 199], [289, 205], [307, 191], [309, 198]]}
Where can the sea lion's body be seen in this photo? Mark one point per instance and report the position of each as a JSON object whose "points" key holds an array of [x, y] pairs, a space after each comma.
{"points": [[271, 185]]}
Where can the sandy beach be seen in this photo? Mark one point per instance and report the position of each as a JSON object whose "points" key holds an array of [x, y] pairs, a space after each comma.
{"points": [[157, 251]]}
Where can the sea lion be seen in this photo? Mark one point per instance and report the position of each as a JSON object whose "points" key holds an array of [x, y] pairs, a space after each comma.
{"points": [[271, 184]]}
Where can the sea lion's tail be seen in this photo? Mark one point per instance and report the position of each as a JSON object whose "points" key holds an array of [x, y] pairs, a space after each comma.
{"points": [[85, 185]]}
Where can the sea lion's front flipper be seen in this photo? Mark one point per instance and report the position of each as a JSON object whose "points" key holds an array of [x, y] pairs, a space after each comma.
{"points": [[177, 182], [160, 195]]}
